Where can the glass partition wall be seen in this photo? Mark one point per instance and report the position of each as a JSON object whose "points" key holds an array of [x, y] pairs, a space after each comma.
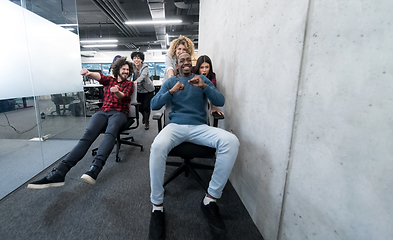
{"points": [[42, 110]]}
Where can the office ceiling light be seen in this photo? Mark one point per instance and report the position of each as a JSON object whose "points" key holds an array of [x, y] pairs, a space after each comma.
{"points": [[157, 50], [99, 45], [152, 22], [100, 41]]}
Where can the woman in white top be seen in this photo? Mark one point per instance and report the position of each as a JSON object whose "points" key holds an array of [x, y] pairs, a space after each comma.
{"points": [[144, 85], [179, 45]]}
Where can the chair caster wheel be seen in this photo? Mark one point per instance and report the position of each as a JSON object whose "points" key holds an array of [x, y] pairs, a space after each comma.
{"points": [[118, 159], [141, 149], [93, 152]]}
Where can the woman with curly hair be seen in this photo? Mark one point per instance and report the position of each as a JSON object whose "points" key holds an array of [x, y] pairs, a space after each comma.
{"points": [[180, 45]]}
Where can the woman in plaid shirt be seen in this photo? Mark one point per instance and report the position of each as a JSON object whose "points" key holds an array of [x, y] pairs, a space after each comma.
{"points": [[111, 118]]}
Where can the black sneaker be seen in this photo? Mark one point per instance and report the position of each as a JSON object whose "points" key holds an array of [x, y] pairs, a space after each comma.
{"points": [[91, 175], [53, 179], [214, 218], [157, 226]]}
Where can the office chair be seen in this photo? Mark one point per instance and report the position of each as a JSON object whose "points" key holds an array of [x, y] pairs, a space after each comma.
{"points": [[133, 117], [60, 100], [188, 151]]}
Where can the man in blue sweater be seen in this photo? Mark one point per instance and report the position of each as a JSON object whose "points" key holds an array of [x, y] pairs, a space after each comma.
{"points": [[187, 94]]}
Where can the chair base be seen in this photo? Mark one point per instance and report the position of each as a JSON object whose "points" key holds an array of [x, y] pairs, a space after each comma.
{"points": [[127, 142], [188, 167], [118, 144]]}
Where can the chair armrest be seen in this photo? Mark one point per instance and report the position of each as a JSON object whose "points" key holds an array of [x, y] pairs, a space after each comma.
{"points": [[158, 117], [217, 117], [99, 104]]}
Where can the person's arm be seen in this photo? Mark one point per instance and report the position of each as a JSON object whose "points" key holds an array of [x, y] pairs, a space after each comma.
{"points": [[93, 75], [169, 66], [214, 81], [215, 97], [215, 108], [127, 90], [165, 94], [116, 91], [144, 74], [170, 73]]}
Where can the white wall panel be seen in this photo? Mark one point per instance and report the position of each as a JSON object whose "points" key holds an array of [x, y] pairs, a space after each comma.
{"points": [[322, 106], [256, 49], [15, 78], [38, 58], [340, 182], [54, 56]]}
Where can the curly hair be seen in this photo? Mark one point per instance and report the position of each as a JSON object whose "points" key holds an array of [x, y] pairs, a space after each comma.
{"points": [[188, 44], [120, 62]]}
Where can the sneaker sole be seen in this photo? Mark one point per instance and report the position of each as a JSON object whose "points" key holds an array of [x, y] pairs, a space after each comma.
{"points": [[88, 179], [42, 186]]}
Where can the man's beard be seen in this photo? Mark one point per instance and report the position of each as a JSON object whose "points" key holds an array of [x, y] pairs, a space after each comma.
{"points": [[123, 77]]}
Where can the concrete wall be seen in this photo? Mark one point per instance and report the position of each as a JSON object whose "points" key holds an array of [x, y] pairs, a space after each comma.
{"points": [[308, 88]]}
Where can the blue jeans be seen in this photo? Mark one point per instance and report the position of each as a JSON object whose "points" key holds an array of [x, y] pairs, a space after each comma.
{"points": [[226, 143], [111, 122]]}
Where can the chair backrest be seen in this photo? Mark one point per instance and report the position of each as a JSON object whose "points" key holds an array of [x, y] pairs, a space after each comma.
{"points": [[167, 110], [133, 113]]}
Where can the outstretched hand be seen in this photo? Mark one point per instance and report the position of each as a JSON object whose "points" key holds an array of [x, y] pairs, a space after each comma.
{"points": [[84, 72], [197, 82]]}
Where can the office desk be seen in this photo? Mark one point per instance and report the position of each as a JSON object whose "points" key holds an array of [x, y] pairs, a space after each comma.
{"points": [[157, 85]]}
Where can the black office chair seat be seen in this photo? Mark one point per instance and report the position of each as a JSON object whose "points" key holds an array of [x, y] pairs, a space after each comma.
{"points": [[188, 151], [191, 150], [126, 140]]}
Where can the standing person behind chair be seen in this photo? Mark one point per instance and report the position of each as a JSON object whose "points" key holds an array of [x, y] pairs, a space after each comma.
{"points": [[204, 67], [111, 118], [145, 86], [188, 93], [180, 45], [114, 60]]}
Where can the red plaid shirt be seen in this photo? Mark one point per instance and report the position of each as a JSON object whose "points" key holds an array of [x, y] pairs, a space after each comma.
{"points": [[110, 100]]}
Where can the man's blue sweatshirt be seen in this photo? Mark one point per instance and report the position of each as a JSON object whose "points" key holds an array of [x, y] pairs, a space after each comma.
{"points": [[188, 105]]}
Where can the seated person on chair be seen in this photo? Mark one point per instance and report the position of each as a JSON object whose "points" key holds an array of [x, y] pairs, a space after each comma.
{"points": [[187, 94], [111, 118]]}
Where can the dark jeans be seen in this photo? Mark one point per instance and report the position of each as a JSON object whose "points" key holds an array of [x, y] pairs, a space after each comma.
{"points": [[111, 122], [144, 100]]}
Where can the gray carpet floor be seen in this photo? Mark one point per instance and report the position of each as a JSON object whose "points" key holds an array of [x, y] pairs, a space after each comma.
{"points": [[118, 205]]}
